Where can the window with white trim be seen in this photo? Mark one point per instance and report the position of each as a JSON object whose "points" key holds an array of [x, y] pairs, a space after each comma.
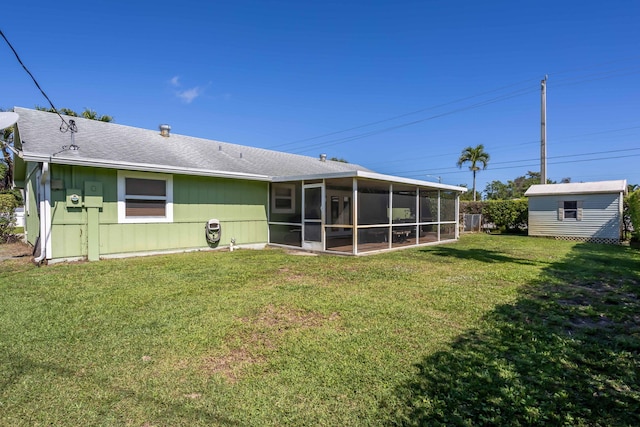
{"points": [[144, 197], [283, 198]]}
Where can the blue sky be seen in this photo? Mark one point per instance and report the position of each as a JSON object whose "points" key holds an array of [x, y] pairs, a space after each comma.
{"points": [[398, 86]]}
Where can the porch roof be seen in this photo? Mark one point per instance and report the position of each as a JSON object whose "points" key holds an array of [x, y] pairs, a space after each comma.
{"points": [[372, 176]]}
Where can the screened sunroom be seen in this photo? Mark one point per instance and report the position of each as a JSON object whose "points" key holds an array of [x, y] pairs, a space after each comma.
{"points": [[361, 213]]}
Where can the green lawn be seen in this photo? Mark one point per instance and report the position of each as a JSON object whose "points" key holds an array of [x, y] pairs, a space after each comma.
{"points": [[492, 330]]}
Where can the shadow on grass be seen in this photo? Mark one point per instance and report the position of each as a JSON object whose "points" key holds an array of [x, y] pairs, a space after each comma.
{"points": [[483, 255], [566, 353]]}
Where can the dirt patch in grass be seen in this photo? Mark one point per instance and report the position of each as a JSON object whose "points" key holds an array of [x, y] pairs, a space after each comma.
{"points": [[262, 335], [230, 366], [289, 275], [15, 250], [283, 318]]}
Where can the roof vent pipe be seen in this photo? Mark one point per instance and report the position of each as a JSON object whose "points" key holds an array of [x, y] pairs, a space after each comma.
{"points": [[323, 157], [164, 130]]}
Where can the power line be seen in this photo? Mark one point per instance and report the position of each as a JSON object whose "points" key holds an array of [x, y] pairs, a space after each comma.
{"points": [[68, 126], [597, 76], [562, 82], [399, 116], [493, 150], [447, 113], [599, 64], [447, 171]]}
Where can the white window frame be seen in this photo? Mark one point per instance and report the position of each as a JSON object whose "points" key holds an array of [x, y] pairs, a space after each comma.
{"points": [[123, 219], [292, 208]]}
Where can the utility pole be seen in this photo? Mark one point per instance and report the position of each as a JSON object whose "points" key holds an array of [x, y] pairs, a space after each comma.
{"points": [[543, 132]]}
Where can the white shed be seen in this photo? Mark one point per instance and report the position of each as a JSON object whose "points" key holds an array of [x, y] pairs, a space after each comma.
{"points": [[585, 211]]}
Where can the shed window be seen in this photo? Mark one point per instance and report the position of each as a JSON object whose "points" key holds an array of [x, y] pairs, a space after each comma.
{"points": [[145, 197], [570, 209], [283, 198]]}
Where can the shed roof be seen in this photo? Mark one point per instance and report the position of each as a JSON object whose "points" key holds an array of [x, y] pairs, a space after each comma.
{"points": [[596, 187]]}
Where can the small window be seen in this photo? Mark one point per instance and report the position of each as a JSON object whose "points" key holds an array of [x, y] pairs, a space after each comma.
{"points": [[283, 198], [145, 197], [571, 210]]}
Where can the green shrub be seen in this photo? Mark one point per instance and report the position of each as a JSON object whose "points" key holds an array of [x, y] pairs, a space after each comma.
{"points": [[468, 207], [8, 204], [633, 201], [509, 215]]}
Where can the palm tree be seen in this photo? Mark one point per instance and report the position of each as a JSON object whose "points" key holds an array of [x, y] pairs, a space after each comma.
{"points": [[474, 156], [92, 115]]}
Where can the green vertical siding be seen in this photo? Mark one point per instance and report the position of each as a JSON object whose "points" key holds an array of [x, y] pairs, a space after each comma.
{"points": [[240, 205]]}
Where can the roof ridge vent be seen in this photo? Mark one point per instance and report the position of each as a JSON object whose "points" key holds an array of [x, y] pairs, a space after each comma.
{"points": [[165, 130]]}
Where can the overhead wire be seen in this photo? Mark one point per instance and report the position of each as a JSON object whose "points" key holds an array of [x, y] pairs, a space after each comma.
{"points": [[378, 131], [455, 169], [67, 126], [528, 165], [499, 148], [565, 81], [399, 116]]}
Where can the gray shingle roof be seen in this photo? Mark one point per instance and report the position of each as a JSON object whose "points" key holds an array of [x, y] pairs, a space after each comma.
{"points": [[125, 147]]}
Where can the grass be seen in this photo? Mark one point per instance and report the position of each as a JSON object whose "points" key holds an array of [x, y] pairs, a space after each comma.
{"points": [[492, 330]]}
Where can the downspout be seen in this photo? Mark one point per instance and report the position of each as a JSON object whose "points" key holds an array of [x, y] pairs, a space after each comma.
{"points": [[43, 201]]}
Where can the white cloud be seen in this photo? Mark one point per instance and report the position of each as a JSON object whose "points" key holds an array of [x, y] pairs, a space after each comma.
{"points": [[190, 94], [187, 95]]}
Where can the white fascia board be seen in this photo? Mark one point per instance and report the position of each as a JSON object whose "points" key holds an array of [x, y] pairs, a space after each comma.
{"points": [[398, 179], [346, 174], [598, 187], [143, 167], [373, 176]]}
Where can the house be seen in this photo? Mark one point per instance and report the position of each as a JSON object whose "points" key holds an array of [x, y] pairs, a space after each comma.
{"points": [[95, 190], [585, 211]]}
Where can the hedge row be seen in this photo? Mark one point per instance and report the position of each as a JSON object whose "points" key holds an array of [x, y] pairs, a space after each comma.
{"points": [[506, 215], [633, 210]]}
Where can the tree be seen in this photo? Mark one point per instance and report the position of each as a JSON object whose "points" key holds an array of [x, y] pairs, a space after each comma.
{"points": [[633, 196], [468, 196], [88, 113], [92, 115], [338, 159], [6, 163], [474, 156], [497, 190], [633, 209]]}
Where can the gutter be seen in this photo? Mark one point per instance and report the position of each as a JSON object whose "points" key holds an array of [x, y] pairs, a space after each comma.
{"points": [[45, 214], [144, 167]]}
